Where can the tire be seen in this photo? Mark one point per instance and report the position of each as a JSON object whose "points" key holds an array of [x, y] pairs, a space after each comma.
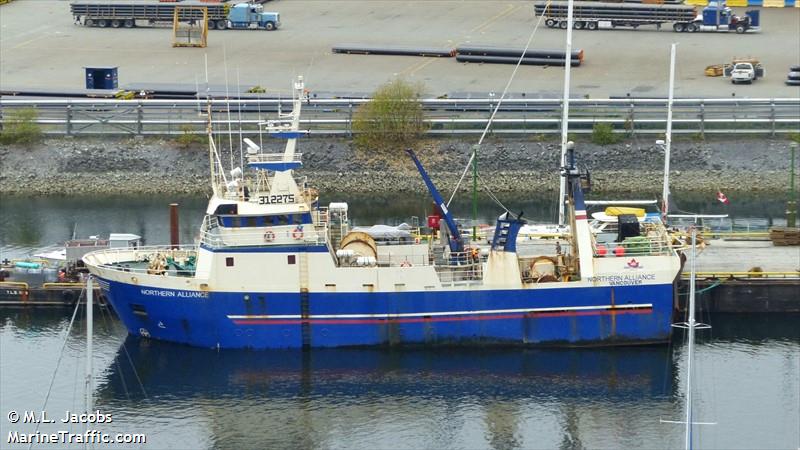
{"points": [[578, 25], [562, 24], [591, 26], [88, 23], [740, 29], [691, 28], [269, 26], [793, 76], [794, 68], [129, 23], [222, 24], [116, 23], [69, 297], [793, 82], [102, 23], [678, 27], [550, 23]]}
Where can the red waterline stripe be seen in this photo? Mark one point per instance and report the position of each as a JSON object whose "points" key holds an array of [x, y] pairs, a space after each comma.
{"points": [[438, 319], [580, 216]]}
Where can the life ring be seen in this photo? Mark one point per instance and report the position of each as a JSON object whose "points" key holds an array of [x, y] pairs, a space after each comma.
{"points": [[417, 240], [269, 236], [297, 233]]}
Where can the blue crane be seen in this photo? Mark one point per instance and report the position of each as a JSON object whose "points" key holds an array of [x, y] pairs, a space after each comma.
{"points": [[455, 242]]}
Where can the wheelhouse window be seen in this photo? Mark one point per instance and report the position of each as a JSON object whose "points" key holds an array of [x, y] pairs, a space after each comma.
{"points": [[231, 221]]}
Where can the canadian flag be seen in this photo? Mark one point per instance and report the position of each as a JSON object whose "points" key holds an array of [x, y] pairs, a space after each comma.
{"points": [[722, 198]]}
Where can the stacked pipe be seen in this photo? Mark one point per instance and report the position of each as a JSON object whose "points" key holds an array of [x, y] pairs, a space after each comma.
{"points": [[613, 11], [505, 55], [393, 50], [793, 77]]}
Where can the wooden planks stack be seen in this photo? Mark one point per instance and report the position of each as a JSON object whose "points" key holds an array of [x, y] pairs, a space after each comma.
{"points": [[784, 236]]}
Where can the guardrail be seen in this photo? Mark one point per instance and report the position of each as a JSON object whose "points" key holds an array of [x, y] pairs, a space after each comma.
{"points": [[728, 275], [445, 116]]}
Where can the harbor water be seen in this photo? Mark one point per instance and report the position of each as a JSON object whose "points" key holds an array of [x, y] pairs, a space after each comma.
{"points": [[747, 378], [30, 224], [747, 382]]}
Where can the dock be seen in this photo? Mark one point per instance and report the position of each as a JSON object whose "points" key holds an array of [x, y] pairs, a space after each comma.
{"points": [[21, 294], [745, 276]]}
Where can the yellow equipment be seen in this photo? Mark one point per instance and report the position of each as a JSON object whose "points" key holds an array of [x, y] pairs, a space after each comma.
{"points": [[715, 71], [195, 33], [618, 210]]}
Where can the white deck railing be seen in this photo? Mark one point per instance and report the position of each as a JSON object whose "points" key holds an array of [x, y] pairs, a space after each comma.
{"points": [[213, 236], [137, 260]]}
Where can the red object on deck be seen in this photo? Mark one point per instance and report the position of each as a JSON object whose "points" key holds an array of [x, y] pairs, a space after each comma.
{"points": [[602, 250], [619, 250], [433, 222]]}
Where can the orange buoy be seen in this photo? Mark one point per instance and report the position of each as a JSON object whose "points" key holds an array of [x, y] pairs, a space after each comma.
{"points": [[619, 250]]}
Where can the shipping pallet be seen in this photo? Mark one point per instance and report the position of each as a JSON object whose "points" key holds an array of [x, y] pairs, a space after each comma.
{"points": [[784, 236]]}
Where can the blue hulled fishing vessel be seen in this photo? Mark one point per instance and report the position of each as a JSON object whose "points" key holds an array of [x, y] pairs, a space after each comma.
{"points": [[274, 269]]}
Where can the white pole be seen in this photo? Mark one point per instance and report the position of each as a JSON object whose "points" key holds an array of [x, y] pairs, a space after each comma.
{"points": [[239, 96], [668, 137], [89, 335], [690, 356], [565, 114]]}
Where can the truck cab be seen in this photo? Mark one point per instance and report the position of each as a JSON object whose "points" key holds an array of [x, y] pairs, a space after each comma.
{"points": [[719, 17], [246, 15]]}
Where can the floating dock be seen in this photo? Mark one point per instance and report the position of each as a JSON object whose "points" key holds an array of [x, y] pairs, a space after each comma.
{"points": [[745, 276]]}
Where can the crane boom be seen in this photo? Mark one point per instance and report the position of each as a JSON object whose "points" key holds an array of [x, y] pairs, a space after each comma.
{"points": [[455, 242]]}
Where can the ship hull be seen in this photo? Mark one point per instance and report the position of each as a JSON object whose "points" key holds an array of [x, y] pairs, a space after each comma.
{"points": [[564, 316]]}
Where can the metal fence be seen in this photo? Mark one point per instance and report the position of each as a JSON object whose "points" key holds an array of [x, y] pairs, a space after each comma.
{"points": [[445, 116]]}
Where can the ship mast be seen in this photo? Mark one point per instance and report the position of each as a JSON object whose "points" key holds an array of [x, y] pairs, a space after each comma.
{"points": [[690, 326], [565, 114], [284, 180]]}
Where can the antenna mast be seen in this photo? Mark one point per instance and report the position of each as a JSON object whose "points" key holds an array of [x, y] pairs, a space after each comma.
{"points": [[89, 339], [668, 137]]}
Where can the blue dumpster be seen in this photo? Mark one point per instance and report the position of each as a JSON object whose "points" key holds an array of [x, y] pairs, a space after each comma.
{"points": [[101, 78]]}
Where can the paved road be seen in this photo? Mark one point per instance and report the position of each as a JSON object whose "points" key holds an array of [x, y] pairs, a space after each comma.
{"points": [[40, 47]]}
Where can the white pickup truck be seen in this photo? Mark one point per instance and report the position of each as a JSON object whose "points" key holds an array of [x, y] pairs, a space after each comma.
{"points": [[745, 71]]}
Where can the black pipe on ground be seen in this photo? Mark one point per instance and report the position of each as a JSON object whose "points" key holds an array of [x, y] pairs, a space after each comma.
{"points": [[516, 52], [390, 50], [514, 59]]}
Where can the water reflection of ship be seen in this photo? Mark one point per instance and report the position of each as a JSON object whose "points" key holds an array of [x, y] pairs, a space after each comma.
{"points": [[238, 392]]}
